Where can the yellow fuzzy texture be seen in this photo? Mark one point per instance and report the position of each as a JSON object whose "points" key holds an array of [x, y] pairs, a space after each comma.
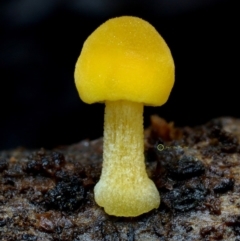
{"points": [[125, 59], [124, 188]]}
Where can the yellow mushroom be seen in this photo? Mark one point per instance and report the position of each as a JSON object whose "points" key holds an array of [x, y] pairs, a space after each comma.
{"points": [[126, 64]]}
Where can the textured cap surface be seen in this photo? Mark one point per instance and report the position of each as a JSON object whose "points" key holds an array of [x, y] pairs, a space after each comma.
{"points": [[125, 59]]}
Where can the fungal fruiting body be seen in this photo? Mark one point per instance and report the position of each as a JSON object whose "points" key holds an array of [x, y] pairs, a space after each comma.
{"points": [[126, 64]]}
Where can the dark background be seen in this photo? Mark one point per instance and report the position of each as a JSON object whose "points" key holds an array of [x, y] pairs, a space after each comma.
{"points": [[40, 41]]}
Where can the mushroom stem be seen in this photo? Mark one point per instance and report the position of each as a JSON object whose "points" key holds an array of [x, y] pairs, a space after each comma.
{"points": [[124, 188]]}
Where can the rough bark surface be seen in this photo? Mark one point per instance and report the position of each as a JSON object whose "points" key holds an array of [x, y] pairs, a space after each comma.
{"points": [[48, 195]]}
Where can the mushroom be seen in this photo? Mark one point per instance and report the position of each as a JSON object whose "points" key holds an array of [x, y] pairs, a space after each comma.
{"points": [[126, 64]]}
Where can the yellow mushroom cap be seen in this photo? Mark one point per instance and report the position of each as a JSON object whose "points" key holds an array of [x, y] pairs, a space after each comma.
{"points": [[125, 59]]}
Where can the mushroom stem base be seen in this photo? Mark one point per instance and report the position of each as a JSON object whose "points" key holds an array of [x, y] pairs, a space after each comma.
{"points": [[124, 188]]}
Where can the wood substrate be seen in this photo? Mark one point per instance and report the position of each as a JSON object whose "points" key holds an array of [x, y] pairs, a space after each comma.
{"points": [[48, 195]]}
